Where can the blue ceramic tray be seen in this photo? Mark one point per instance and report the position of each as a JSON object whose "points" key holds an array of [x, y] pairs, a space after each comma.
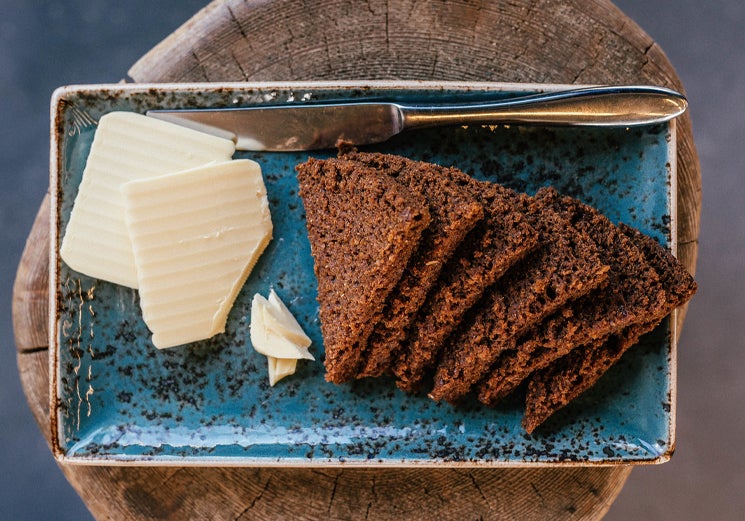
{"points": [[115, 398]]}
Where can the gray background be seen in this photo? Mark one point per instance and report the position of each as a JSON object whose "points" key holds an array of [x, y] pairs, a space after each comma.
{"points": [[44, 44]]}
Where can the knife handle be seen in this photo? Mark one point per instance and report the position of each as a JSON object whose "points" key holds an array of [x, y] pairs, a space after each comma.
{"points": [[616, 106]]}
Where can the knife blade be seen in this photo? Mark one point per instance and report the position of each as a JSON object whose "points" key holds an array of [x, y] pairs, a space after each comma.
{"points": [[295, 127]]}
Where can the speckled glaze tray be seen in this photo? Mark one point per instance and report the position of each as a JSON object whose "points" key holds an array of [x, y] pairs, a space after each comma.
{"points": [[117, 399]]}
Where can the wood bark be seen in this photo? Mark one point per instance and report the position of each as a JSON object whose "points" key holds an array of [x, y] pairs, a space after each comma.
{"points": [[571, 42]]}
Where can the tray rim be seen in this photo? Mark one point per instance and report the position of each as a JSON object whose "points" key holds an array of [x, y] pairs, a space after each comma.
{"points": [[57, 106]]}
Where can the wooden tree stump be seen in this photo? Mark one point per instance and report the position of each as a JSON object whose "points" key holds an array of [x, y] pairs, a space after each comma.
{"points": [[576, 41]]}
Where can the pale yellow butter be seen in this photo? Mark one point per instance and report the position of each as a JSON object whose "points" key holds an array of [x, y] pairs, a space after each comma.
{"points": [[126, 147], [276, 334], [274, 330], [280, 321], [279, 368], [196, 235]]}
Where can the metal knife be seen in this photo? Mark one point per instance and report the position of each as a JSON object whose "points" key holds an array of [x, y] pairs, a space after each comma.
{"points": [[294, 127]]}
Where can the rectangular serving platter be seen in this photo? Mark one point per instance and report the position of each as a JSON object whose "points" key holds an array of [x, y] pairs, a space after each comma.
{"points": [[116, 399]]}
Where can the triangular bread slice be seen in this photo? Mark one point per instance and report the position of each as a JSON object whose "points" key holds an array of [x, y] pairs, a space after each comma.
{"points": [[555, 386], [454, 211], [502, 239], [566, 266], [363, 227], [602, 312]]}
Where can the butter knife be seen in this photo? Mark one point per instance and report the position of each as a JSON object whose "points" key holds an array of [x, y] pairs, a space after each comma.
{"points": [[295, 126]]}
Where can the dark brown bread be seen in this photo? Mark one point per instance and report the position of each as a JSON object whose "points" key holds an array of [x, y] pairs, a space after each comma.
{"points": [[363, 227], [678, 283], [565, 267], [555, 386], [501, 240], [454, 211], [603, 312]]}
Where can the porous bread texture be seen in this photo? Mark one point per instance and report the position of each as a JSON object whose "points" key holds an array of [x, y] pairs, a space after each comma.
{"points": [[454, 211], [554, 387], [604, 311], [363, 227], [503, 239], [565, 266], [424, 269]]}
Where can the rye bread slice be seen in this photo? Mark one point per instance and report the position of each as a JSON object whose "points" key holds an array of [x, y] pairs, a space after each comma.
{"points": [[363, 227], [679, 285], [454, 211], [565, 267], [603, 312], [502, 239], [554, 387]]}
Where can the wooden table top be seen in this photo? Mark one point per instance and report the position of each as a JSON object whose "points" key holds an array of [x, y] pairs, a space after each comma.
{"points": [[571, 42]]}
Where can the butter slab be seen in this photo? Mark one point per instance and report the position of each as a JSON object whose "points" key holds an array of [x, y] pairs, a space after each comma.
{"points": [[126, 147], [196, 236]]}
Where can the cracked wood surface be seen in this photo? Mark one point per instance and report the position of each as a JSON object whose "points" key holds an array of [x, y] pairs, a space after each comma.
{"points": [[577, 41]]}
